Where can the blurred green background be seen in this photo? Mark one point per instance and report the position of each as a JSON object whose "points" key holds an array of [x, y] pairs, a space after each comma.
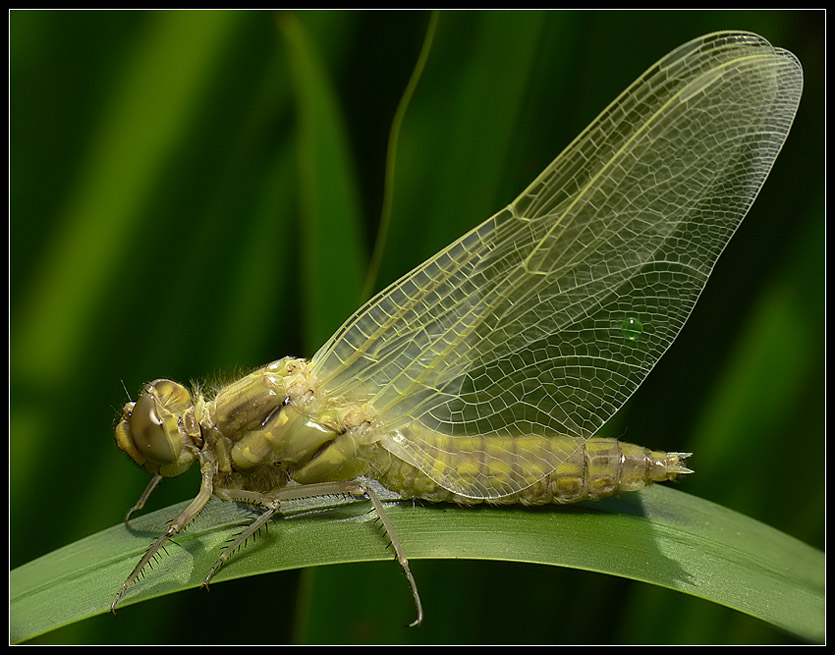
{"points": [[194, 194]]}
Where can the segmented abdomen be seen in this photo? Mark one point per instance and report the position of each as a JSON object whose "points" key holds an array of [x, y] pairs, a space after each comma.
{"points": [[595, 468]]}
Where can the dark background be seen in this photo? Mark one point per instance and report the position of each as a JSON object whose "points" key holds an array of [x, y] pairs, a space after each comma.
{"points": [[177, 212]]}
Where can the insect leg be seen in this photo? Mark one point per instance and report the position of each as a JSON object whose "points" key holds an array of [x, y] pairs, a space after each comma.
{"points": [[395, 543], [357, 488], [207, 470], [268, 502], [272, 502], [144, 497]]}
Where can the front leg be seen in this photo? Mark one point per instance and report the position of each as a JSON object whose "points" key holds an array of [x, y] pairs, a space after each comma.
{"points": [[207, 471], [144, 497]]}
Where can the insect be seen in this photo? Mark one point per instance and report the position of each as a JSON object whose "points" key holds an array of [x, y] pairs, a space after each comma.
{"points": [[484, 374]]}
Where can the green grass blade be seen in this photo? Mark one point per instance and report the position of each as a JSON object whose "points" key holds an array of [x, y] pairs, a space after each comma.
{"points": [[391, 157], [660, 535], [333, 259]]}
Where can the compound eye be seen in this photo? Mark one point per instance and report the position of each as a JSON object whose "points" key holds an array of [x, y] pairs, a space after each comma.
{"points": [[153, 435]]}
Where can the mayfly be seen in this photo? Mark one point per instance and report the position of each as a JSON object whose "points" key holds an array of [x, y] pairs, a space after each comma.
{"points": [[484, 374]]}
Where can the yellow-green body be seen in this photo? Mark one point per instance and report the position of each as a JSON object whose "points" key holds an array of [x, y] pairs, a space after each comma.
{"points": [[269, 429]]}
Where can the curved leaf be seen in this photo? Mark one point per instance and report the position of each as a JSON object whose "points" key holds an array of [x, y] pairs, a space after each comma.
{"points": [[659, 535]]}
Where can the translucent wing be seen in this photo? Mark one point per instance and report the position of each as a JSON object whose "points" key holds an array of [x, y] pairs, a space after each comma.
{"points": [[546, 318]]}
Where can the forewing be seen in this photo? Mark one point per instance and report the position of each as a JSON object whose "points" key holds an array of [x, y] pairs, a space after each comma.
{"points": [[546, 318]]}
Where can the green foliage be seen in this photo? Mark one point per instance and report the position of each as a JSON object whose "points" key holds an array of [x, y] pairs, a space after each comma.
{"points": [[658, 535], [195, 193]]}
